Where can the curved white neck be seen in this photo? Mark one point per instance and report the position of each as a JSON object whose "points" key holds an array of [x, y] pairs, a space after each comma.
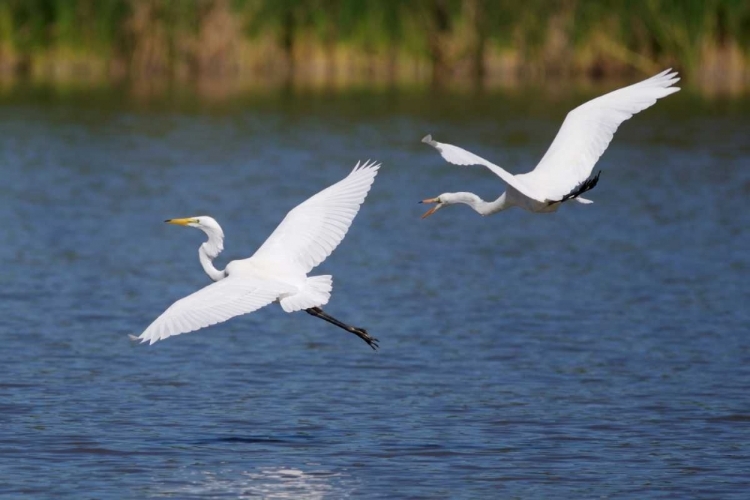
{"points": [[209, 250], [478, 204]]}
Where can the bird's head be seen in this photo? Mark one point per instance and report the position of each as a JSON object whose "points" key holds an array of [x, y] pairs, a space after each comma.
{"points": [[203, 222], [439, 201], [208, 225]]}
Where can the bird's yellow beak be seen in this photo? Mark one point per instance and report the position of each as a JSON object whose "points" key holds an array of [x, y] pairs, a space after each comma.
{"points": [[181, 222], [433, 209]]}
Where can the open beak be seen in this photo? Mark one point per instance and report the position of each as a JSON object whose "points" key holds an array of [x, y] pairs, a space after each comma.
{"points": [[433, 209], [180, 222]]}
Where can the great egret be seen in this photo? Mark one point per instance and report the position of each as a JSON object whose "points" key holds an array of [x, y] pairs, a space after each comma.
{"points": [[563, 173], [278, 269]]}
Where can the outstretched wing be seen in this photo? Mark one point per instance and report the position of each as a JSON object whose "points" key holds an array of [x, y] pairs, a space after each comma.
{"points": [[457, 156], [588, 130], [213, 304], [313, 229]]}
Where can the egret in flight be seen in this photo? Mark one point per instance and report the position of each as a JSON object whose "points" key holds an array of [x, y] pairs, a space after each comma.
{"points": [[564, 172], [278, 269]]}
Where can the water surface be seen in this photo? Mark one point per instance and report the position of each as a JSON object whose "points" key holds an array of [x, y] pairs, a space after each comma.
{"points": [[602, 351]]}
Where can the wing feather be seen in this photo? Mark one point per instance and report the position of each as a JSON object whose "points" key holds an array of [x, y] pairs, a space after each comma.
{"points": [[216, 303], [582, 139], [313, 229], [458, 156], [588, 130]]}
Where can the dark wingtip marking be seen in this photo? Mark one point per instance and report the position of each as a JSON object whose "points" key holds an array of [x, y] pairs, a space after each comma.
{"points": [[586, 185]]}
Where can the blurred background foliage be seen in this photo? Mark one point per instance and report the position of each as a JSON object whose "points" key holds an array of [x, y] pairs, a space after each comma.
{"points": [[346, 41]]}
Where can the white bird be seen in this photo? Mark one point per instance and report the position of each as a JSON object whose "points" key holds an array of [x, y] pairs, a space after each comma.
{"points": [[563, 173], [278, 269]]}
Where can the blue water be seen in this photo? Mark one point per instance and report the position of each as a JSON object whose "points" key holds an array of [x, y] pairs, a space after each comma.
{"points": [[599, 352]]}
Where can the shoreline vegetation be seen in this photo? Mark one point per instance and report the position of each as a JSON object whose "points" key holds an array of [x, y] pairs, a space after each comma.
{"points": [[226, 44]]}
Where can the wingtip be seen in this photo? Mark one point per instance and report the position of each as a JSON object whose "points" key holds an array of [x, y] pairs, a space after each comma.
{"points": [[375, 167], [666, 72], [428, 140], [137, 338], [368, 165], [665, 80], [670, 75], [432, 142]]}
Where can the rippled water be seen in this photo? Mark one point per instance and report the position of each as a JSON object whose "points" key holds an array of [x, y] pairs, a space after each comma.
{"points": [[602, 351]]}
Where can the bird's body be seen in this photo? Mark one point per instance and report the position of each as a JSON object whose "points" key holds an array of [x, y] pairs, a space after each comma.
{"points": [[563, 173], [278, 271]]}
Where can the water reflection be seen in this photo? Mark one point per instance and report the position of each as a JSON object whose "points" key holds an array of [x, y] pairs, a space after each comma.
{"points": [[274, 483]]}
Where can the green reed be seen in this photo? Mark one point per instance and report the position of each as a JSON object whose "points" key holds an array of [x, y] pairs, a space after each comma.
{"points": [[453, 37]]}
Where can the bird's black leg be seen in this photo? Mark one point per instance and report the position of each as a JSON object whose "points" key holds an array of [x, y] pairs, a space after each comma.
{"points": [[359, 332], [586, 185]]}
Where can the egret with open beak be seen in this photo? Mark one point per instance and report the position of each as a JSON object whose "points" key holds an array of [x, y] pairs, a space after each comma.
{"points": [[565, 172], [438, 205]]}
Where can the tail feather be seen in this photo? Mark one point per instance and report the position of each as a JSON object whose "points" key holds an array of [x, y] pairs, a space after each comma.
{"points": [[316, 292]]}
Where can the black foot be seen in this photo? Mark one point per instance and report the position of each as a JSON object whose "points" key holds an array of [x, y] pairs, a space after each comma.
{"points": [[359, 332], [586, 185], [362, 333]]}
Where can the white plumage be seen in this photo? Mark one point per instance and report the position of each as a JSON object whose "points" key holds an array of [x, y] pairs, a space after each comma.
{"points": [[310, 232], [278, 269], [570, 159], [213, 304]]}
